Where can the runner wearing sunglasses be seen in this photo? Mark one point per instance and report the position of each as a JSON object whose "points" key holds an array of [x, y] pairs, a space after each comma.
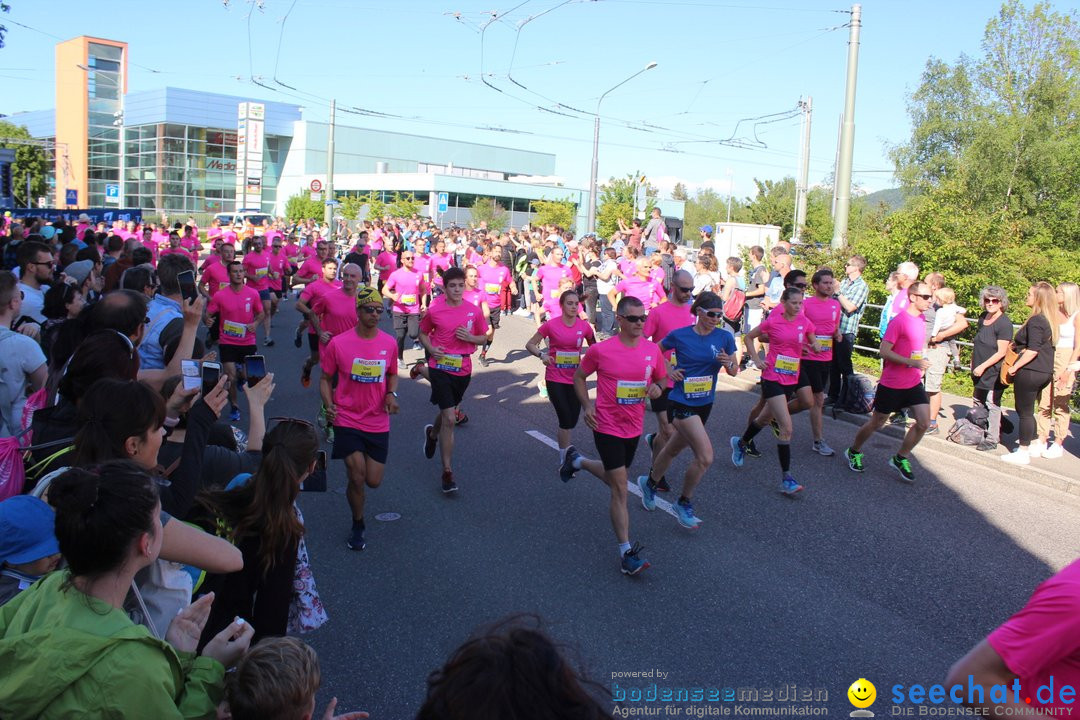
{"points": [[701, 350], [365, 364], [628, 369], [408, 290]]}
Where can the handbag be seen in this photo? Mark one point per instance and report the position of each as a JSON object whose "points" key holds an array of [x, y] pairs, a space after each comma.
{"points": [[1010, 359]]}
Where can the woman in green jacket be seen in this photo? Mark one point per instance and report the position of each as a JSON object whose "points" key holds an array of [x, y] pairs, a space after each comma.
{"points": [[67, 648]]}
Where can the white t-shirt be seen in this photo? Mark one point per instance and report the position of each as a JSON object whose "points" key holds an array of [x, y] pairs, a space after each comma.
{"points": [[33, 301], [19, 357], [603, 287]]}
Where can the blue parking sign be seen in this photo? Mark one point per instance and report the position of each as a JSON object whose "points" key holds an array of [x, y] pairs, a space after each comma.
{"points": [[444, 201], [71, 197], [112, 193]]}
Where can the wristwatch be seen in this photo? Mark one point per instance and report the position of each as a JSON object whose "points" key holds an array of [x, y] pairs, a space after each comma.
{"points": [[392, 392]]}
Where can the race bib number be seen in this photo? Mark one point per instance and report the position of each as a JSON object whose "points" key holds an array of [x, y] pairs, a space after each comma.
{"points": [[261, 272], [449, 363], [630, 392], [367, 371], [787, 365], [918, 354], [555, 294], [567, 359], [825, 342], [408, 299], [697, 387], [492, 288], [233, 329]]}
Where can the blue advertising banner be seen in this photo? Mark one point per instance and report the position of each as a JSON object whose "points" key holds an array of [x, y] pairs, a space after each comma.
{"points": [[105, 215]]}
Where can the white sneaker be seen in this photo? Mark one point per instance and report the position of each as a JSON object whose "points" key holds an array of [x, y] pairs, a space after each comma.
{"points": [[822, 448], [1017, 457], [1053, 451], [1036, 449]]}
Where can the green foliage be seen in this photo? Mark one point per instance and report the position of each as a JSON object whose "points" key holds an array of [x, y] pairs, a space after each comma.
{"points": [[708, 207], [561, 213], [403, 205], [774, 205], [679, 192], [353, 206], [301, 207], [28, 159], [616, 202], [489, 211]]}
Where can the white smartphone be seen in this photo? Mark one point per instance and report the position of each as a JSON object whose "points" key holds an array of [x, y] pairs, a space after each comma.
{"points": [[190, 371]]}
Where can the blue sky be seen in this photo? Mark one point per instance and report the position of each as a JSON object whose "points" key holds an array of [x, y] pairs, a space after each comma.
{"points": [[448, 68]]}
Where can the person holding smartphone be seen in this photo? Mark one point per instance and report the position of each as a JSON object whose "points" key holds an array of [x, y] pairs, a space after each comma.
{"points": [[365, 364], [164, 309], [239, 311]]}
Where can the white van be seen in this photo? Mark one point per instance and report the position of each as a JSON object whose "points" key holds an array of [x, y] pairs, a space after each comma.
{"points": [[237, 219]]}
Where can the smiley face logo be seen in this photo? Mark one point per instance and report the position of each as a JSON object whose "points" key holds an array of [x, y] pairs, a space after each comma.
{"points": [[862, 693]]}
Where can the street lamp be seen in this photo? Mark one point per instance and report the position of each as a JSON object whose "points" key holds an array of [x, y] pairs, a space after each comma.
{"points": [[596, 146], [118, 122]]}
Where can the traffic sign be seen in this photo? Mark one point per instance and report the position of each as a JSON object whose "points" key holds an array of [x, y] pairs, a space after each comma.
{"points": [[444, 201], [316, 196], [316, 185], [112, 194], [71, 197]]}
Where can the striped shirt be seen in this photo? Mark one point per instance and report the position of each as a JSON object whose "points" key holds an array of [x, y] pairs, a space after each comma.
{"points": [[855, 291]]}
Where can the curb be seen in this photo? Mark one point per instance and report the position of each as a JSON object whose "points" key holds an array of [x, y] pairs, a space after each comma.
{"points": [[1046, 478]]}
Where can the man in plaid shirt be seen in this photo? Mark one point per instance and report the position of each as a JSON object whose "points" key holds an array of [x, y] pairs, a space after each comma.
{"points": [[852, 296]]}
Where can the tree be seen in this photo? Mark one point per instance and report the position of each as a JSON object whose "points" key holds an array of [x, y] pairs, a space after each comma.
{"points": [[616, 202], [487, 210], [404, 205], [679, 192], [28, 159], [301, 207], [561, 213], [774, 205], [4, 7], [354, 206]]}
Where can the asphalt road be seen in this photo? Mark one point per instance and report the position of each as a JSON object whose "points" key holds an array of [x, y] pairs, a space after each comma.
{"points": [[858, 576]]}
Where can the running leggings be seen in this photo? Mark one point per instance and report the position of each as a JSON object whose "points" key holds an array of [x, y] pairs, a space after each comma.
{"points": [[1027, 385]]}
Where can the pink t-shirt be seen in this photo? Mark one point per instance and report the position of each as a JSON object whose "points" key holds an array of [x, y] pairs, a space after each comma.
{"points": [[213, 234], [292, 251], [550, 276], [664, 318], [441, 322], [564, 347], [235, 310], [627, 267], [216, 276], [336, 311], [474, 297], [440, 262], [1042, 641], [907, 333], [900, 301], [228, 237], [410, 286], [647, 291], [278, 264], [623, 375], [192, 245], [422, 265], [386, 260], [657, 276], [492, 280], [825, 315], [309, 250], [313, 290], [176, 251], [258, 264], [312, 267], [152, 246], [787, 341], [362, 367]]}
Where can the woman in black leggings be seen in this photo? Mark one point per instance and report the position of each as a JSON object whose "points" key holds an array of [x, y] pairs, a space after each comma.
{"points": [[1034, 368]]}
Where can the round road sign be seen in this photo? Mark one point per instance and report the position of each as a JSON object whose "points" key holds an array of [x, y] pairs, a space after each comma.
{"points": [[316, 185]]}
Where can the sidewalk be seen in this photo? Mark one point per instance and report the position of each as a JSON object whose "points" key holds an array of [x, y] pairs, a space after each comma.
{"points": [[1061, 474]]}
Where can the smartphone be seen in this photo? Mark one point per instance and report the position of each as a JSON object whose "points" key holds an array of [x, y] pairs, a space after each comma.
{"points": [[186, 280], [189, 370], [211, 373], [254, 369]]}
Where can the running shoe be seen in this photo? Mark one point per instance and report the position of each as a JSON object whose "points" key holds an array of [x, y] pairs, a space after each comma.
{"points": [[632, 562], [460, 418], [414, 371], [751, 450], [484, 362], [933, 429], [448, 484], [662, 485], [234, 414], [1052, 452], [822, 448], [543, 389], [648, 497], [268, 342], [738, 451], [684, 513], [899, 418], [298, 337], [429, 442], [854, 460], [416, 345], [986, 446], [789, 486], [650, 438], [305, 378], [356, 541], [566, 467], [903, 466], [775, 427]]}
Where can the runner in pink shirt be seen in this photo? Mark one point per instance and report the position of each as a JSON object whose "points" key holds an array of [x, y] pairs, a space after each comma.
{"points": [[440, 260], [639, 286], [259, 275], [548, 276], [386, 263], [365, 366], [239, 311], [789, 333], [903, 354], [449, 332], [824, 312], [190, 242], [174, 247], [494, 279], [150, 243], [215, 275], [628, 369], [334, 311], [279, 267], [408, 290], [327, 282], [566, 335], [311, 269]]}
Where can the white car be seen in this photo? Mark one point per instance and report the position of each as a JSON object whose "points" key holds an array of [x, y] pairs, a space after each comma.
{"points": [[237, 219]]}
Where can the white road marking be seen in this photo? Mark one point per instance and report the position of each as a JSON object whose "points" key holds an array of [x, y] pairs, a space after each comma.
{"points": [[631, 483]]}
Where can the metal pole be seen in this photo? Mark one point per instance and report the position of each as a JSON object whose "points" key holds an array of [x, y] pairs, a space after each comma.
{"points": [[29, 202], [123, 137], [847, 135], [730, 192], [328, 214], [804, 172]]}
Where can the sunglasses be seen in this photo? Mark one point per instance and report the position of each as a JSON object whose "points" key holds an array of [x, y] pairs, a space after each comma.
{"points": [[685, 289], [800, 286], [993, 301], [714, 314], [634, 318], [924, 297], [372, 309]]}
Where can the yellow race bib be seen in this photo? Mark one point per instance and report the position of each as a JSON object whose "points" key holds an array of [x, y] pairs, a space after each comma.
{"points": [[630, 392], [233, 329], [449, 363], [787, 365], [825, 342], [697, 387], [492, 288], [408, 299], [567, 359], [261, 272], [918, 354], [367, 371]]}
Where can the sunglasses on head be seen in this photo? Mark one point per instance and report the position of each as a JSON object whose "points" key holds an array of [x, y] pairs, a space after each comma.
{"points": [[634, 318]]}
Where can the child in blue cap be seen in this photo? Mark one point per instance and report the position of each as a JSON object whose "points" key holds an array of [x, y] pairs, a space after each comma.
{"points": [[28, 546]]}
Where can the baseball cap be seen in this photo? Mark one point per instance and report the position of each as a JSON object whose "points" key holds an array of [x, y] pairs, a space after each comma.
{"points": [[706, 228], [78, 271], [83, 217], [26, 530], [48, 232]]}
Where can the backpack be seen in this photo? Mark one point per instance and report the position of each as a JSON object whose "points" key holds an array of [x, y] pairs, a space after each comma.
{"points": [[858, 397], [734, 306], [965, 432]]}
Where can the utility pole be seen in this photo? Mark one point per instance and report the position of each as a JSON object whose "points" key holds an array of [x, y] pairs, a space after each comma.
{"points": [[847, 135], [29, 202], [328, 214], [803, 188]]}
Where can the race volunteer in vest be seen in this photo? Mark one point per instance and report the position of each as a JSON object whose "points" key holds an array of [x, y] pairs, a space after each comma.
{"points": [[903, 352], [494, 279], [407, 290], [327, 282], [628, 369], [259, 275], [366, 367], [701, 350], [239, 311], [566, 335], [789, 332], [662, 320], [824, 313], [449, 331]]}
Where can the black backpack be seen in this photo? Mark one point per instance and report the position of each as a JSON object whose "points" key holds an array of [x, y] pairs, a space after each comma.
{"points": [[858, 397], [966, 432]]}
